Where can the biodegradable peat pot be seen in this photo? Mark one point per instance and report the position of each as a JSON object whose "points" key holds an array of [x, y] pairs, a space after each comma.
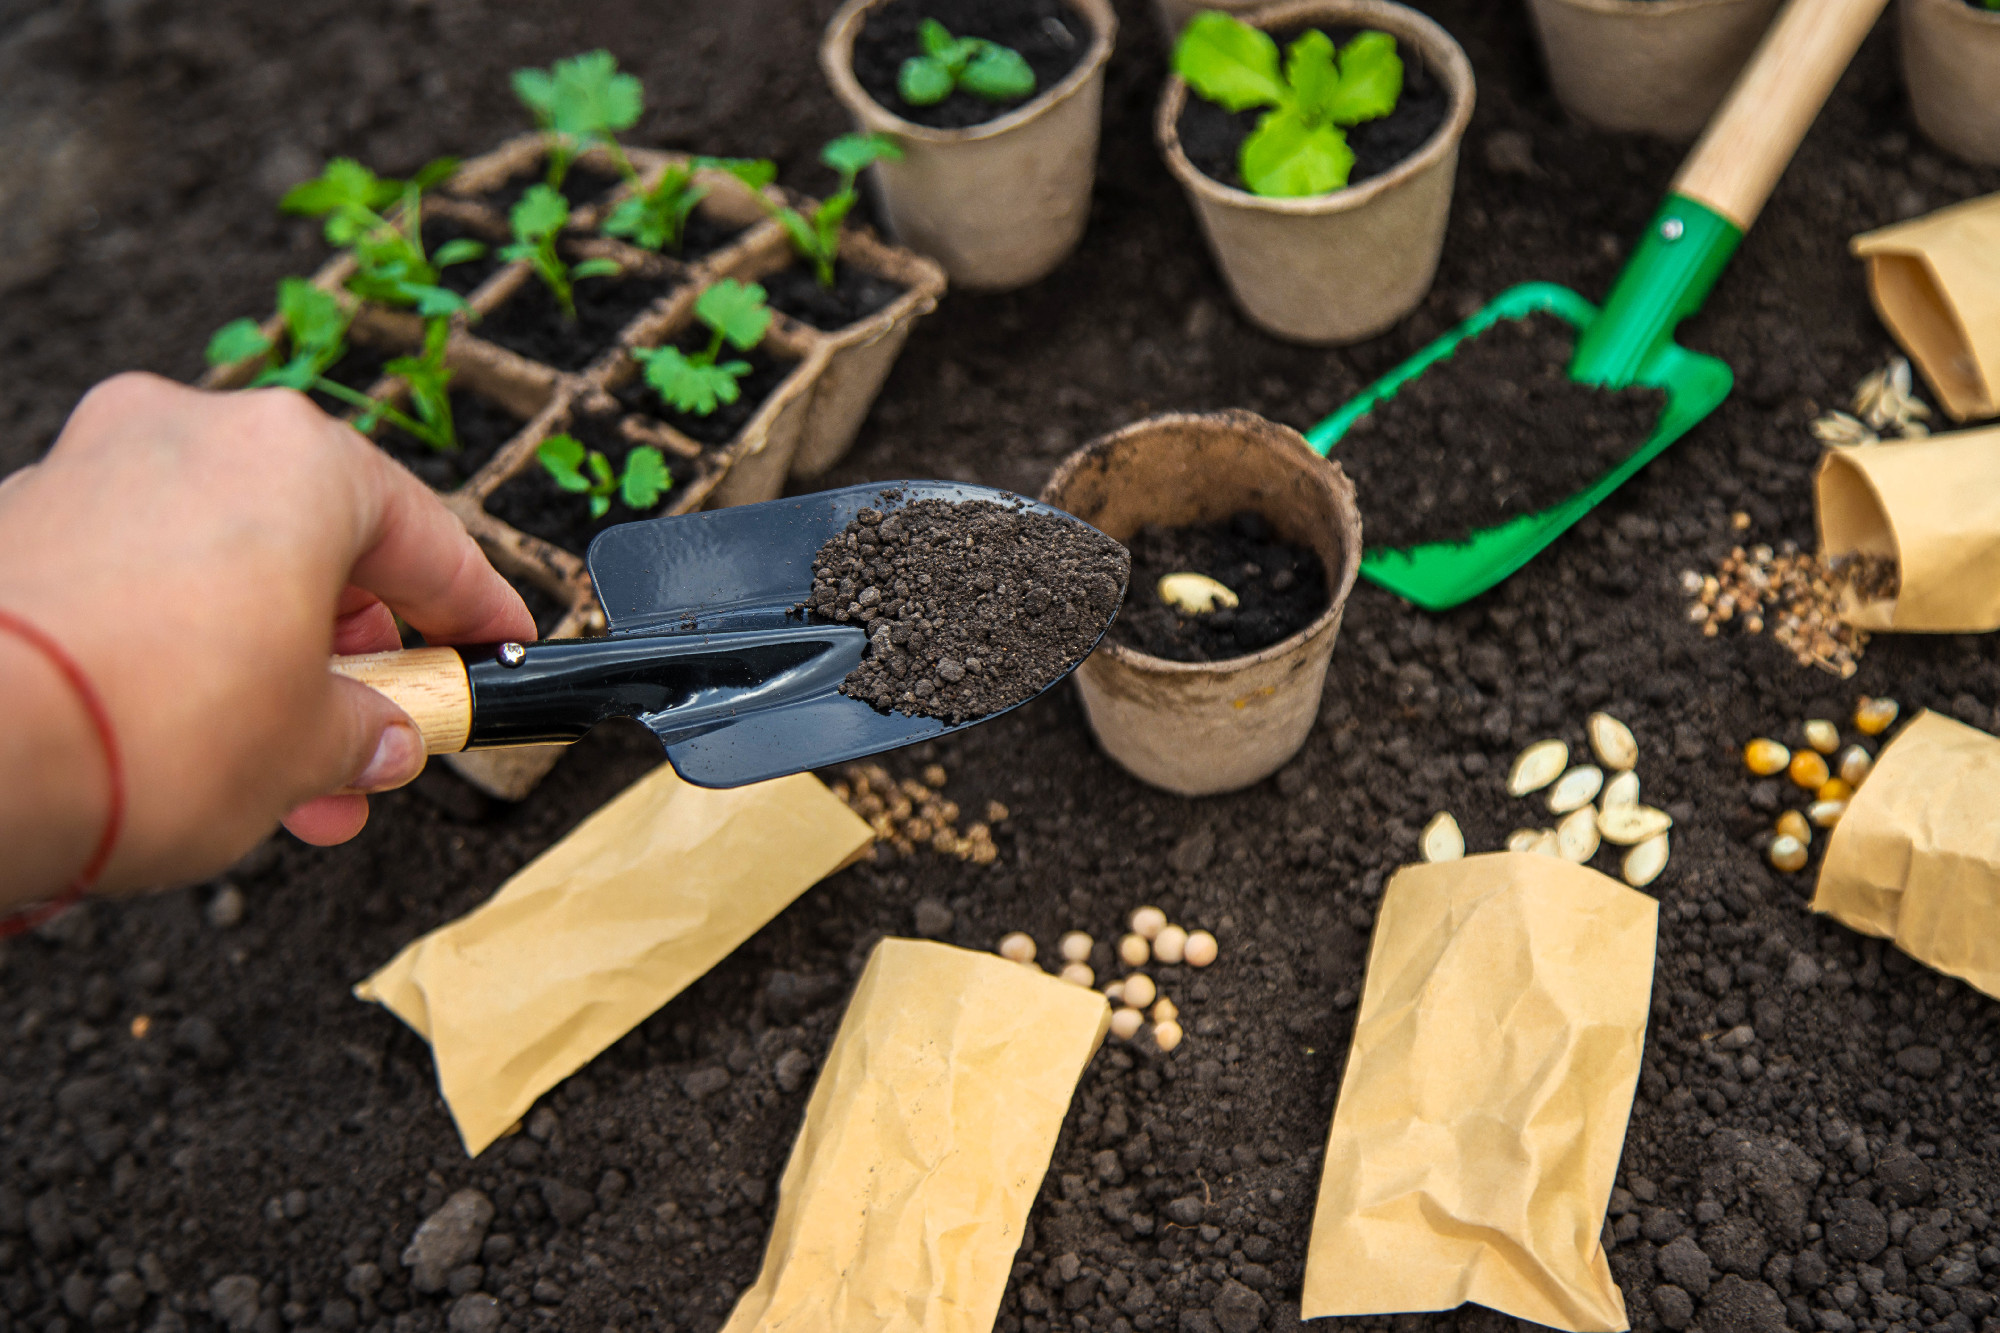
{"points": [[1174, 14], [1196, 728], [1001, 203], [1335, 268], [1951, 65], [1648, 66]]}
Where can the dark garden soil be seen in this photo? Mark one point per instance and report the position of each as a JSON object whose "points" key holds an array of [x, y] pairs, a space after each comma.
{"points": [[704, 234], [767, 372], [358, 368], [1492, 432], [582, 185], [269, 1129], [482, 427], [854, 295], [531, 323], [1050, 36], [463, 278], [1280, 589], [971, 607], [1212, 137], [533, 503]]}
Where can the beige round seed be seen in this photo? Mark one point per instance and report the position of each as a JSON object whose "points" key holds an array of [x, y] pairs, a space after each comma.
{"points": [[1133, 950], [1017, 947], [1644, 863], [1170, 945], [1166, 1036], [1822, 735], [1441, 839], [1792, 824], [1125, 1023], [1787, 853], [1630, 825], [1577, 836], [1621, 790], [1201, 949], [1826, 813], [1139, 990], [1523, 839], [1115, 992], [1873, 716], [1536, 767], [1855, 764], [1612, 742], [1165, 1010], [1576, 789], [1147, 922], [1075, 947], [1078, 974]]}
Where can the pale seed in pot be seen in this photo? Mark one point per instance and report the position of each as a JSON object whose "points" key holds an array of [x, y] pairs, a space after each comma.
{"points": [[1536, 767], [1170, 945], [1576, 789], [1822, 735], [1442, 840], [1792, 824], [1855, 764], [1826, 813], [1621, 790], [1577, 836], [1644, 863], [1787, 853], [1630, 825], [1612, 742], [1195, 594]]}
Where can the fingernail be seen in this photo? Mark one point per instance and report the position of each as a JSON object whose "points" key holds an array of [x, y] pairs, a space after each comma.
{"points": [[399, 757]]}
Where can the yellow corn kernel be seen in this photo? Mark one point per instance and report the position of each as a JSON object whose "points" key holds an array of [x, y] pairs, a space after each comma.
{"points": [[1854, 765], [1809, 770], [1872, 717], [1792, 824], [1822, 735], [1787, 854], [1833, 789], [1766, 757]]}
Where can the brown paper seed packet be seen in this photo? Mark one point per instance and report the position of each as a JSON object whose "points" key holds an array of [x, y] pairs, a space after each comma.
{"points": [[1936, 283], [1484, 1106]]}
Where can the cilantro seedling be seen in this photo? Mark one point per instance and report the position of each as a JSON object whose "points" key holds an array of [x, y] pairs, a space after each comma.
{"points": [[817, 238], [657, 219], [985, 69], [538, 220], [1298, 147], [390, 264], [579, 103], [735, 313], [584, 471], [316, 330]]}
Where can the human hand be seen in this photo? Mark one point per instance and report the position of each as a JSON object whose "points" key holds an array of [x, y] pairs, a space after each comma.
{"points": [[201, 556]]}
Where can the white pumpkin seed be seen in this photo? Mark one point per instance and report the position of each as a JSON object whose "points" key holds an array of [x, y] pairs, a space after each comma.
{"points": [[1442, 841], [1630, 825], [1577, 837], [1522, 839], [1612, 742], [1194, 594], [1576, 789], [1623, 789], [1644, 863], [1547, 844], [1536, 767]]}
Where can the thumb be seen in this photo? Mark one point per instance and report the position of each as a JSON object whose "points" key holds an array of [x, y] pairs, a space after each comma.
{"points": [[367, 744]]}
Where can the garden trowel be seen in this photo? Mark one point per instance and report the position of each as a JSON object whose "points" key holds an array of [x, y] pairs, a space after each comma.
{"points": [[1718, 194], [710, 646]]}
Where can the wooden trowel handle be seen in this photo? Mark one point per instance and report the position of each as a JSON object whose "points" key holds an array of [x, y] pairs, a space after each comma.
{"points": [[430, 684], [1747, 145]]}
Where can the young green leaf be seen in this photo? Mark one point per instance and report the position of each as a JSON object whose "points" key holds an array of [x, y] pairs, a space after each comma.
{"points": [[755, 172], [924, 81], [689, 384], [736, 312], [538, 219], [1288, 156], [850, 154], [581, 101], [315, 319], [596, 268], [1229, 62], [657, 217], [429, 379], [984, 69], [342, 185], [460, 250], [646, 479], [1371, 79], [998, 74], [817, 239], [561, 456], [236, 341]]}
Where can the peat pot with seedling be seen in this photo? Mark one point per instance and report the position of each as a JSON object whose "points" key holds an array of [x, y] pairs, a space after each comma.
{"points": [[998, 145], [1321, 173], [1200, 727], [1951, 65], [1648, 66]]}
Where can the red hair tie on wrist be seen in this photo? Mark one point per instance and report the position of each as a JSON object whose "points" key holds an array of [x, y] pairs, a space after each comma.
{"points": [[100, 719]]}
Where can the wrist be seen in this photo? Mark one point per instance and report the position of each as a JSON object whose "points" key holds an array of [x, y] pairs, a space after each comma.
{"points": [[55, 797]]}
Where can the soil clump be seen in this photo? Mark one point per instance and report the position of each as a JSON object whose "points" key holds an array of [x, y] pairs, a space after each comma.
{"points": [[1492, 432], [1280, 589], [970, 607], [1050, 36]]}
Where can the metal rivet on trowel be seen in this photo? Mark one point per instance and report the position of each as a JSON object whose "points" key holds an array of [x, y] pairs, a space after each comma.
{"points": [[1672, 228], [510, 654]]}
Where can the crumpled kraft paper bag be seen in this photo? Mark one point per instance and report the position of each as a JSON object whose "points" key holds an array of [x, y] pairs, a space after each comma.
{"points": [[1916, 858], [1931, 505], [1483, 1110], [603, 928], [924, 1145], [1936, 283]]}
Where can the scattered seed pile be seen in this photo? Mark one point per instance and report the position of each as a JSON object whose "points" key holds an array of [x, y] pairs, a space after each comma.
{"points": [[970, 607], [1135, 996], [1883, 402], [1492, 432], [1819, 767], [1798, 596], [1280, 589], [911, 814]]}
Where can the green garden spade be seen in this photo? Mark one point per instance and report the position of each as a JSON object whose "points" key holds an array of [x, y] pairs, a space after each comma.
{"points": [[1716, 197]]}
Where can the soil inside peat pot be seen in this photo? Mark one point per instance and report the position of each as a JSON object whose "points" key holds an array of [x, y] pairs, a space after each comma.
{"points": [[481, 427], [582, 186], [1280, 589], [1050, 36], [532, 324], [1212, 137], [463, 278], [855, 295], [970, 606], [704, 234], [532, 502], [767, 372], [1492, 432]]}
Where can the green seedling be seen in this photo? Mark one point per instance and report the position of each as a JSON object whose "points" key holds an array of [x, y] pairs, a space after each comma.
{"points": [[817, 237], [316, 330], [1298, 147], [984, 69], [538, 220], [390, 264], [587, 472], [657, 219], [735, 313], [582, 102]]}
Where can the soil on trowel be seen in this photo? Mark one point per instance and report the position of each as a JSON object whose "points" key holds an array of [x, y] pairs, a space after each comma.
{"points": [[531, 322], [1212, 137], [1050, 36], [531, 502], [970, 607], [1492, 432], [1280, 589], [854, 295]]}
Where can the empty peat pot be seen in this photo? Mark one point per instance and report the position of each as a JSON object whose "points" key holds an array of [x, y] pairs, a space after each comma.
{"points": [[1647, 66], [1196, 728], [1174, 14], [1951, 65], [1338, 267], [1000, 203]]}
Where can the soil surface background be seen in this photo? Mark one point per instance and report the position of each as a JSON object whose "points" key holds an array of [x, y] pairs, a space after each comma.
{"points": [[262, 1154]]}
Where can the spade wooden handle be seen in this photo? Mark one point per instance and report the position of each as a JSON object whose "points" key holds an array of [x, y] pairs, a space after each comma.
{"points": [[427, 683]]}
